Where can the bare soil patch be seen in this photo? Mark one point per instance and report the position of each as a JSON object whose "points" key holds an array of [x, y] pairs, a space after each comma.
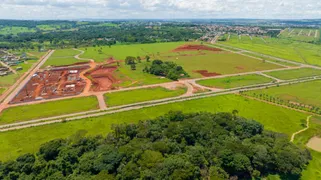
{"points": [[205, 73], [196, 48], [54, 83], [102, 78], [315, 143]]}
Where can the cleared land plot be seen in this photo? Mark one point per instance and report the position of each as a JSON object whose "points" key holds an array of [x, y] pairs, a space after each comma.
{"points": [[235, 81], [295, 73], [48, 109], [120, 52], [63, 57], [140, 95], [15, 30], [221, 63], [306, 35], [283, 48], [307, 93], [14, 143]]}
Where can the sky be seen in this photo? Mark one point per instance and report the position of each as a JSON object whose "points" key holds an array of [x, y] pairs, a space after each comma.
{"points": [[159, 9]]}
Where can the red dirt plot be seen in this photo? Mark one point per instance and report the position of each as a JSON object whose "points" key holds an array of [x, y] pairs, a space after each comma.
{"points": [[102, 78], [54, 83], [196, 48], [205, 73]]}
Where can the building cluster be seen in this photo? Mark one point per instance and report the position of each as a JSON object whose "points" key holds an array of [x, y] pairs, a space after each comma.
{"points": [[8, 59]]}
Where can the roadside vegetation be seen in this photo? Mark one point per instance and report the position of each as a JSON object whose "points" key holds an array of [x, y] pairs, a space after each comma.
{"points": [[174, 146], [48, 109], [15, 143], [235, 81], [141, 95], [295, 73]]}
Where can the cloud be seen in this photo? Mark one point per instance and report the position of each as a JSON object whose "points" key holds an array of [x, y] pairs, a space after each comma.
{"points": [[114, 9]]}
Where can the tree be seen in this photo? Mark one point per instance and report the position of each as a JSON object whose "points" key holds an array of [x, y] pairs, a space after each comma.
{"points": [[133, 67], [139, 59], [147, 57]]}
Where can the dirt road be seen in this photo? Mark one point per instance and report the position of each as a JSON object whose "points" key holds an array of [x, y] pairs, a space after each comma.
{"points": [[7, 66], [307, 127]]}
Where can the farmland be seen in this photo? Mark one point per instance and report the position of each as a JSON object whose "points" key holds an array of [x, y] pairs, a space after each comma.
{"points": [[235, 81], [283, 48], [140, 95], [63, 57], [307, 93], [28, 140], [305, 35], [48, 109], [15, 30], [295, 73]]}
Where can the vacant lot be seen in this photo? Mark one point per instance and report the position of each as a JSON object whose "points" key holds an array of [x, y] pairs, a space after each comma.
{"points": [[307, 93], [235, 81], [274, 118], [140, 95], [63, 57], [295, 73], [305, 35], [284, 48], [48, 109], [120, 52]]}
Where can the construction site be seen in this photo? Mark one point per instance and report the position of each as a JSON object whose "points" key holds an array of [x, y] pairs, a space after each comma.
{"points": [[53, 83]]}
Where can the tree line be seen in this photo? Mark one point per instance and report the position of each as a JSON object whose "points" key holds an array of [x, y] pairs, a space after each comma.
{"points": [[173, 146]]}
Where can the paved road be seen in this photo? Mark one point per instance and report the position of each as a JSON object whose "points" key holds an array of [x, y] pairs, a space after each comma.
{"points": [[96, 113], [22, 81]]}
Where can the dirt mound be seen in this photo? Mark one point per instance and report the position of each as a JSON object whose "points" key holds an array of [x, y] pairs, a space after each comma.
{"points": [[196, 48], [102, 78], [205, 73]]}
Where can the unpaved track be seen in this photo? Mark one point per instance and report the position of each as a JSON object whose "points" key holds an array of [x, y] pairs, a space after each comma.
{"points": [[96, 113], [271, 77], [17, 87], [302, 130]]}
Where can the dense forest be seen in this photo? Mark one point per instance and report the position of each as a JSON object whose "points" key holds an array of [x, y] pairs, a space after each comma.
{"points": [[73, 34], [174, 146]]}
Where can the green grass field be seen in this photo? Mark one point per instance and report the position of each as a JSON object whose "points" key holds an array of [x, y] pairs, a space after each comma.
{"points": [[120, 52], [48, 109], [2, 90], [63, 57], [141, 95], [279, 47], [305, 35], [221, 63], [15, 30], [274, 118], [235, 81], [295, 73], [307, 93]]}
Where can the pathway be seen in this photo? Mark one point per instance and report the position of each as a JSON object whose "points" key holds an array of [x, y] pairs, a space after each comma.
{"points": [[101, 101], [302, 130], [7, 66], [271, 77]]}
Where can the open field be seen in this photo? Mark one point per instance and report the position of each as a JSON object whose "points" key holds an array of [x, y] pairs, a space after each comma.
{"points": [[295, 73], [221, 63], [14, 143], [63, 57], [307, 93], [120, 52], [235, 81], [306, 35], [283, 48], [140, 95], [48, 109], [15, 30]]}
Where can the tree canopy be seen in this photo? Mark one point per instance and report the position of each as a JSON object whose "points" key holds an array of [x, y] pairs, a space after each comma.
{"points": [[173, 146]]}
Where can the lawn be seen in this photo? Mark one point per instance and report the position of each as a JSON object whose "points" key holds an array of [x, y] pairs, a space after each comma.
{"points": [[14, 143], [2, 90], [279, 47], [235, 81], [295, 73], [307, 93], [221, 63], [120, 52], [48, 109], [63, 57], [141, 95]]}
